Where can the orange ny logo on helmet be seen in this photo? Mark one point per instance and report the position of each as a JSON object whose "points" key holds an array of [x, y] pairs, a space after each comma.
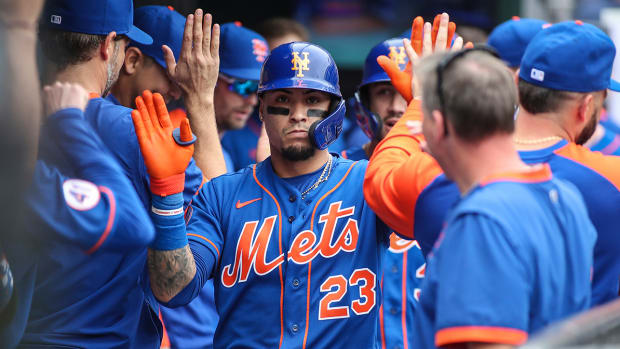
{"points": [[397, 54], [300, 64]]}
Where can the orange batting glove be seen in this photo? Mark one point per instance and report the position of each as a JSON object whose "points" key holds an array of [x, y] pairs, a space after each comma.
{"points": [[165, 159], [451, 30], [401, 79]]}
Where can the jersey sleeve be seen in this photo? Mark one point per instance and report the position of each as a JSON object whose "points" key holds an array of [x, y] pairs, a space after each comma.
{"points": [[483, 288], [397, 174], [98, 208]]}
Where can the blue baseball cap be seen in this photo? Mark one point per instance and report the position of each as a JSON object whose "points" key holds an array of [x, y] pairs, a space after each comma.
{"points": [[242, 52], [392, 48], [512, 37], [570, 56], [98, 17], [165, 26]]}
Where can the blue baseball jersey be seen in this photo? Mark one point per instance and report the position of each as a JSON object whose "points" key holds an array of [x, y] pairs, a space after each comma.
{"points": [[597, 177], [403, 270], [515, 256], [288, 271], [81, 210], [117, 281]]}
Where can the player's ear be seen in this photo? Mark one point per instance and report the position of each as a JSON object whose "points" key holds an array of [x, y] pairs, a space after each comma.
{"points": [[585, 108], [106, 49], [134, 59], [437, 124]]}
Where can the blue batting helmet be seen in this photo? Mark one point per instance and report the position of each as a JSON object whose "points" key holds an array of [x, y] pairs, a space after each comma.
{"points": [[305, 65], [369, 122]]}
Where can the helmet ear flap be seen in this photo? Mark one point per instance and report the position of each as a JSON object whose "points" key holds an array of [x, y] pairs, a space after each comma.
{"points": [[324, 132]]}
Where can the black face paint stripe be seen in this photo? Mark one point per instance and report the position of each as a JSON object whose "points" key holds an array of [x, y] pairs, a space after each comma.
{"points": [[278, 110], [316, 112]]}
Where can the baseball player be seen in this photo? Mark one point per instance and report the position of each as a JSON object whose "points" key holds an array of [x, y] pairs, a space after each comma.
{"points": [[493, 278], [149, 67], [377, 107], [86, 210], [294, 250], [128, 312], [432, 194], [574, 108]]}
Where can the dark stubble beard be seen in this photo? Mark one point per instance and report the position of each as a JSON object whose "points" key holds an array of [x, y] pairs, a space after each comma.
{"points": [[298, 153], [112, 71], [589, 129]]}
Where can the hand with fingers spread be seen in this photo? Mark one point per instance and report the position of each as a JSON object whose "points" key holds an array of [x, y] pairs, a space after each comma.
{"points": [[165, 160], [197, 70], [425, 39]]}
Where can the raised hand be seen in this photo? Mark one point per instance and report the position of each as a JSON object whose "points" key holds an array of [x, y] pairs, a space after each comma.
{"points": [[165, 159], [62, 96], [425, 39], [197, 70]]}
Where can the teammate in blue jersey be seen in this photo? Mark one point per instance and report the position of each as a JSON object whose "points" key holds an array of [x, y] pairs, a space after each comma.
{"points": [[377, 107], [90, 50], [146, 68], [293, 248], [82, 209], [494, 277], [553, 127]]}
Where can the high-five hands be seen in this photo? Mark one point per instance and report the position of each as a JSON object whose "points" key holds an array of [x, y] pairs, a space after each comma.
{"points": [[425, 39], [165, 159], [198, 66]]}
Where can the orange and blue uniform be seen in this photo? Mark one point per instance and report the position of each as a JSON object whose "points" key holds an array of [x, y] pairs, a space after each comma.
{"points": [[410, 193]]}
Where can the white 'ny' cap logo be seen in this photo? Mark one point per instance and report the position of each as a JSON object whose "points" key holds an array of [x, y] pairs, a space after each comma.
{"points": [[56, 19]]}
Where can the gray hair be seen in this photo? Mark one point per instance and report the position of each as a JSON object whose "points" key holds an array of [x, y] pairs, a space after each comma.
{"points": [[478, 90]]}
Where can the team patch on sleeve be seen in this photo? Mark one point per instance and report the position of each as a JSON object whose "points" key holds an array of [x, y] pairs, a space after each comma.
{"points": [[80, 195]]}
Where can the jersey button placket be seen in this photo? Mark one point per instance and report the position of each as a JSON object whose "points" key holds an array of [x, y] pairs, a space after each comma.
{"points": [[292, 198], [295, 283], [291, 219], [295, 328]]}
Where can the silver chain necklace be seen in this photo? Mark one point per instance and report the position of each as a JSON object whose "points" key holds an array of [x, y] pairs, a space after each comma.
{"points": [[327, 169]]}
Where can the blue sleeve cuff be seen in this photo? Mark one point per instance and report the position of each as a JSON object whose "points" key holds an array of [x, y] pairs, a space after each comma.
{"points": [[167, 215]]}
